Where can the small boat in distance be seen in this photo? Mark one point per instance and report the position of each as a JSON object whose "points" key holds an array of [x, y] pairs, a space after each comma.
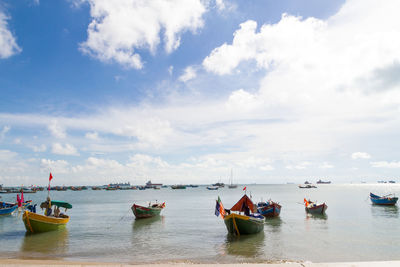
{"points": [[232, 185], [151, 210], [246, 223], [219, 184], [385, 200], [212, 187], [323, 182], [307, 186], [315, 208], [269, 209], [178, 186]]}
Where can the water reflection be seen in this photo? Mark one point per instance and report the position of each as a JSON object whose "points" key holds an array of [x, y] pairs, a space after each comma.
{"points": [[245, 245], [310, 216], [385, 211], [55, 242], [147, 223], [274, 224]]}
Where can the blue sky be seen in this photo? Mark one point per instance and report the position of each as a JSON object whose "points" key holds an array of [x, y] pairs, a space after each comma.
{"points": [[184, 91]]}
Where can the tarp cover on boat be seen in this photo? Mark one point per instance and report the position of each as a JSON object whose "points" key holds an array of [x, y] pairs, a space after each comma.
{"points": [[61, 204], [244, 202]]}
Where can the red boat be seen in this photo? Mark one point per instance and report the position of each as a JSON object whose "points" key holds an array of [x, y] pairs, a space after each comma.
{"points": [[314, 208]]}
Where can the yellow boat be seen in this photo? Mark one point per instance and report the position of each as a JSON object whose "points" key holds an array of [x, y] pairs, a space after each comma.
{"points": [[37, 223]]}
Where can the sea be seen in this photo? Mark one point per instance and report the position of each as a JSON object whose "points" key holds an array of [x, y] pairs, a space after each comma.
{"points": [[103, 228]]}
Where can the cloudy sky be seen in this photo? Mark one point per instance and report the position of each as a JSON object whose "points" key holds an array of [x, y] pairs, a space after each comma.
{"points": [[184, 91]]}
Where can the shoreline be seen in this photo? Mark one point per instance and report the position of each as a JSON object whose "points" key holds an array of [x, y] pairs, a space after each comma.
{"points": [[6, 262]]}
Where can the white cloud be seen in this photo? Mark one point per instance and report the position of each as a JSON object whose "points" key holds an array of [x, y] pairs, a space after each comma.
{"points": [[41, 148], [119, 29], [188, 74], [54, 166], [386, 164], [300, 166], [8, 44], [170, 70], [6, 155], [92, 136], [4, 131], [57, 130], [360, 155], [326, 165], [64, 150]]}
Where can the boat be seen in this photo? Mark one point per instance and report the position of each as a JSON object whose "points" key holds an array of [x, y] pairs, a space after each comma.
{"points": [[96, 188], [241, 224], [212, 187], [307, 186], [151, 210], [315, 208], [178, 186], [50, 221], [385, 200], [7, 208], [149, 184], [231, 185], [219, 184], [323, 182], [269, 209]]}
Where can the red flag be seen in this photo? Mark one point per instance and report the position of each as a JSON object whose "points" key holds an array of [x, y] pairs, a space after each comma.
{"points": [[244, 188], [22, 196], [51, 177]]}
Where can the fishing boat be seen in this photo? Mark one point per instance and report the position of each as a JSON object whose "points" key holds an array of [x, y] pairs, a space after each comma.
{"points": [[7, 208], [241, 224], [385, 200], [50, 221], [212, 187], [151, 210], [314, 208], [269, 209]]}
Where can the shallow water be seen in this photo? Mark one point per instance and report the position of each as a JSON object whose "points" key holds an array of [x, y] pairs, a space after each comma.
{"points": [[103, 228]]}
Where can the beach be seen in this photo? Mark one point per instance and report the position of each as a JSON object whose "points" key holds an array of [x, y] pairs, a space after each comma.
{"points": [[47, 263]]}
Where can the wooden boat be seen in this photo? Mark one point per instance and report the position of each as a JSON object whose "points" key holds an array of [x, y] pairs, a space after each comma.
{"points": [[7, 208], [37, 223], [243, 224], [385, 200], [314, 208], [212, 187], [151, 210], [269, 209]]}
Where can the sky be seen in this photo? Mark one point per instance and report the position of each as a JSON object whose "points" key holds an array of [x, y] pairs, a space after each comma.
{"points": [[188, 91]]}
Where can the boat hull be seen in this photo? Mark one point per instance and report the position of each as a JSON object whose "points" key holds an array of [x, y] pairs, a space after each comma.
{"points": [[243, 225], [385, 201], [141, 212], [272, 210], [36, 223], [319, 209], [8, 210]]}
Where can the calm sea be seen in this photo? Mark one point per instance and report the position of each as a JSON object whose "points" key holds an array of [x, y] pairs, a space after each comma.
{"points": [[103, 228]]}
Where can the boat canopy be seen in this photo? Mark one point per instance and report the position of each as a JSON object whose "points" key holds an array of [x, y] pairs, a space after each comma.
{"points": [[241, 205], [61, 204]]}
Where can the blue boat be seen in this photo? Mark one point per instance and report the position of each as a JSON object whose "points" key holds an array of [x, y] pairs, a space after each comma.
{"points": [[385, 200], [7, 208], [269, 209]]}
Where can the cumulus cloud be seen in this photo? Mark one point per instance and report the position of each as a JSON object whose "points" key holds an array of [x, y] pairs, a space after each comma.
{"points": [[41, 148], [54, 166], [92, 136], [119, 29], [8, 43], [3, 132], [386, 164], [360, 155], [57, 130], [188, 74], [68, 149]]}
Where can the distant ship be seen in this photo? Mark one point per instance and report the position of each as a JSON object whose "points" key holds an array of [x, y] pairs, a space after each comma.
{"points": [[149, 184], [323, 182], [219, 184]]}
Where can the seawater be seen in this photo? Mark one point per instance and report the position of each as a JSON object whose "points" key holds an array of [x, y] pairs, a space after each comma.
{"points": [[103, 228]]}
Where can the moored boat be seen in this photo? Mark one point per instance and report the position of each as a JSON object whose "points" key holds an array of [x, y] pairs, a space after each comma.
{"points": [[241, 224], [314, 208], [178, 187], [7, 208], [50, 221], [151, 210], [307, 186], [269, 209], [212, 187], [385, 200]]}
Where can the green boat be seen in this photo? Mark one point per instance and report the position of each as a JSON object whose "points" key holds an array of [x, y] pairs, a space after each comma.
{"points": [[243, 224], [152, 210]]}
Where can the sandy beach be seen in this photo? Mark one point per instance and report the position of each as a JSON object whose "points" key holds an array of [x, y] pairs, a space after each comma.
{"points": [[60, 263]]}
